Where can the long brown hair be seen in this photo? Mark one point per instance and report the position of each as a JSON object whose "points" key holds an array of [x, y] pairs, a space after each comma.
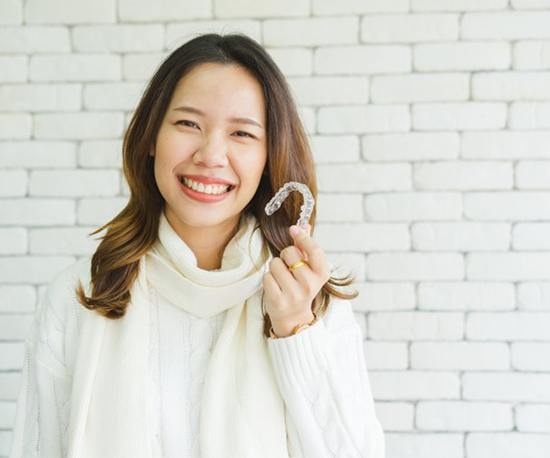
{"points": [[130, 234]]}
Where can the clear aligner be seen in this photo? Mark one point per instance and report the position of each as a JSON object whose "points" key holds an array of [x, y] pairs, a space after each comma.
{"points": [[305, 210]]}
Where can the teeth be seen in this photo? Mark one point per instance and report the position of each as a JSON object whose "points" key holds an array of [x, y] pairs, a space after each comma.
{"points": [[208, 189]]}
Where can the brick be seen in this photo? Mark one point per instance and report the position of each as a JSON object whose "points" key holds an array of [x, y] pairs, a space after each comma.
{"points": [[414, 385], [251, 8], [533, 296], [13, 327], [34, 39], [40, 97], [11, 355], [11, 12], [506, 206], [27, 269], [118, 38], [78, 126], [15, 126], [506, 145], [112, 96], [466, 296], [78, 183], [168, 10], [371, 59], [17, 298], [533, 175], [505, 25], [140, 67], [363, 119], [60, 241], [327, 7], [13, 183], [458, 5], [36, 154], [507, 445], [330, 90], [328, 149], [461, 56], [392, 28], [69, 12], [462, 356], [531, 356], [13, 240], [511, 86], [364, 177], [413, 206], [339, 207], [461, 175], [420, 87], [386, 355], [532, 55], [411, 146], [310, 31], [363, 237], [464, 236], [463, 416], [506, 386], [530, 4], [533, 418], [74, 67], [293, 61], [424, 445], [96, 211], [459, 116], [508, 266], [415, 325], [415, 266], [13, 69], [385, 296], [100, 154], [39, 212], [395, 416], [510, 326], [529, 115]]}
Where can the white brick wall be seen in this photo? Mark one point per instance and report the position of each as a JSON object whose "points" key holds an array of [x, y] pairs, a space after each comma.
{"points": [[436, 111]]}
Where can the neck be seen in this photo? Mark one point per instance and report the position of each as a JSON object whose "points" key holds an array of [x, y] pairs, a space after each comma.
{"points": [[207, 242]]}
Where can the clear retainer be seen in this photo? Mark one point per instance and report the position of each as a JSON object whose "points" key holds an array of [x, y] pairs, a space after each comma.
{"points": [[305, 210]]}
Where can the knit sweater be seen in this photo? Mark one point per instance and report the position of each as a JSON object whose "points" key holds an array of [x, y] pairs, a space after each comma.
{"points": [[321, 373]]}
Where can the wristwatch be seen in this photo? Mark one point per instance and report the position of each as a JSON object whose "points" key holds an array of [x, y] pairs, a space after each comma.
{"points": [[297, 328]]}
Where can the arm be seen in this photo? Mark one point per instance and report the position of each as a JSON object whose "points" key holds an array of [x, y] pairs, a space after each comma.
{"points": [[322, 376], [44, 393]]}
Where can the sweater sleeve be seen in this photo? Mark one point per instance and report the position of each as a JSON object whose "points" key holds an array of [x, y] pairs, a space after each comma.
{"points": [[322, 375], [44, 395]]}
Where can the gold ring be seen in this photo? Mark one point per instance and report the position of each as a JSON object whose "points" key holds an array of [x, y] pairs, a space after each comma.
{"points": [[295, 265]]}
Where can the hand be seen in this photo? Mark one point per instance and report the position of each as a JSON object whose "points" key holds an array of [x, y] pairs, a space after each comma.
{"points": [[289, 294]]}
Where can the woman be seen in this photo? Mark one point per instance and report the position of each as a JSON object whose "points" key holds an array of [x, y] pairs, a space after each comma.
{"points": [[201, 326]]}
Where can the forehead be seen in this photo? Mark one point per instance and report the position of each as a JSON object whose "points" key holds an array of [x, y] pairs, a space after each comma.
{"points": [[226, 89]]}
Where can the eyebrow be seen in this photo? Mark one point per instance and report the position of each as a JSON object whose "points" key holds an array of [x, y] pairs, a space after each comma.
{"points": [[199, 112]]}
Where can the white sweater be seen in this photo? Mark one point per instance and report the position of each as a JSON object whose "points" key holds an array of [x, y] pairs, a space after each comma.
{"points": [[328, 413]]}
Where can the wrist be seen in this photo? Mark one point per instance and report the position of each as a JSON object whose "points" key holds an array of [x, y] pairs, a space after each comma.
{"points": [[285, 328]]}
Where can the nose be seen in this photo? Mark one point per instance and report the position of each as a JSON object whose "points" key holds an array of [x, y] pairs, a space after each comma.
{"points": [[212, 153]]}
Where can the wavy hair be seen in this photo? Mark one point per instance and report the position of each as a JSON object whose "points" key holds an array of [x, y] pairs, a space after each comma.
{"points": [[133, 231]]}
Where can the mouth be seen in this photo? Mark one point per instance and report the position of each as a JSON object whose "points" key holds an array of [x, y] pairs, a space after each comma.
{"points": [[213, 190]]}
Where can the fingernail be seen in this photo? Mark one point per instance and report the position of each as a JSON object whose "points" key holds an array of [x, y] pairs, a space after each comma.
{"points": [[295, 230]]}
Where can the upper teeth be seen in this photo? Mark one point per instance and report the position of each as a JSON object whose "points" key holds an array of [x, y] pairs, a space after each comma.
{"points": [[208, 189]]}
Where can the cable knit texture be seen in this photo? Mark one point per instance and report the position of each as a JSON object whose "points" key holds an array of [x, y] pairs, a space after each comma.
{"points": [[321, 373]]}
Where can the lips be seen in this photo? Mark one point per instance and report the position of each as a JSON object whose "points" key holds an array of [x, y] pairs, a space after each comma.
{"points": [[181, 177]]}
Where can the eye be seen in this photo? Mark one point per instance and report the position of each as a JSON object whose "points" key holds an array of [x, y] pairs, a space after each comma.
{"points": [[246, 133], [183, 121]]}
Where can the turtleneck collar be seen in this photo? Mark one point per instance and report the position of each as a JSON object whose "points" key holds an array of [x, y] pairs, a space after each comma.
{"points": [[172, 269]]}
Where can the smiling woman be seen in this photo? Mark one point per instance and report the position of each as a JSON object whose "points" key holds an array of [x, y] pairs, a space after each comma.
{"points": [[158, 345]]}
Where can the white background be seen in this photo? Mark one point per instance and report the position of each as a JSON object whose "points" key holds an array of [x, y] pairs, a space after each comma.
{"points": [[429, 121]]}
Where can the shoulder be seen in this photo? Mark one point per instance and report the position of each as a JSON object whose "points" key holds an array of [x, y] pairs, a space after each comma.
{"points": [[58, 302]]}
